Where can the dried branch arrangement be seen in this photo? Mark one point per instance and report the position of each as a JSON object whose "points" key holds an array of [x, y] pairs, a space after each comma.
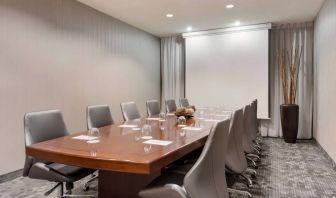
{"points": [[289, 62]]}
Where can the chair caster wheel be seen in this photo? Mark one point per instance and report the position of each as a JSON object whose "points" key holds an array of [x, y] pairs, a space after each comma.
{"points": [[253, 176], [249, 184], [86, 187]]}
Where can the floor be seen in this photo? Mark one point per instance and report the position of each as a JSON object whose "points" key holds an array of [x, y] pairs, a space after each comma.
{"points": [[286, 170]]}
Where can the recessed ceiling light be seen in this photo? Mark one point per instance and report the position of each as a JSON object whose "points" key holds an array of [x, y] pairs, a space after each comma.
{"points": [[237, 23], [229, 6], [189, 28], [169, 15]]}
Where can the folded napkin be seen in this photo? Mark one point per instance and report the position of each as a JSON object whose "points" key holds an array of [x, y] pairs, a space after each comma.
{"points": [[158, 142], [192, 128]]}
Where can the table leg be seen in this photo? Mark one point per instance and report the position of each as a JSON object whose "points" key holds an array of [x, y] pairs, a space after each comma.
{"points": [[122, 185]]}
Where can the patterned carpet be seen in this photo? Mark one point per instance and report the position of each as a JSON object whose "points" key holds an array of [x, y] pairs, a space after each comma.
{"points": [[286, 170], [293, 170]]}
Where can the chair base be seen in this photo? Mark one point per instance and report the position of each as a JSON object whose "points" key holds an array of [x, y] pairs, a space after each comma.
{"points": [[86, 186], [239, 192], [249, 182], [60, 185], [251, 172]]}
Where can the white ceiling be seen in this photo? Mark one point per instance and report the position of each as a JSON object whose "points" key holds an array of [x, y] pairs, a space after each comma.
{"points": [[150, 15]]}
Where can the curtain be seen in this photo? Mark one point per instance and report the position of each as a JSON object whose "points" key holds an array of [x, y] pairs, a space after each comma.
{"points": [[286, 37], [172, 69]]}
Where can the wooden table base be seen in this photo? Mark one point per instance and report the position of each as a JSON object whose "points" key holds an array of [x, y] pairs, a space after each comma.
{"points": [[122, 185]]}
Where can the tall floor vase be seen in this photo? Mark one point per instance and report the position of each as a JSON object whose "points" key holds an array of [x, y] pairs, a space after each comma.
{"points": [[289, 122]]}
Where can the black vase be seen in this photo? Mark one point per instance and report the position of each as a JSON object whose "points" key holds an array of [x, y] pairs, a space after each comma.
{"points": [[289, 121]]}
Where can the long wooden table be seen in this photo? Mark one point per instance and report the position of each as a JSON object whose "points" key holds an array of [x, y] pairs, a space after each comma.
{"points": [[125, 163]]}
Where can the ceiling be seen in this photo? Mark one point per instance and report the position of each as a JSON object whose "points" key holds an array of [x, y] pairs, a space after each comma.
{"points": [[150, 15]]}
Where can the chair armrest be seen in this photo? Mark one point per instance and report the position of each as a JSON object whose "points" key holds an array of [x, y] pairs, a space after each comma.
{"points": [[166, 191], [42, 166], [39, 170]]}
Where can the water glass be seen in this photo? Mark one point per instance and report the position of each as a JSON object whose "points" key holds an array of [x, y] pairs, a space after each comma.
{"points": [[162, 124], [162, 115], [94, 132], [137, 135], [93, 147], [200, 122], [182, 120], [146, 131], [182, 132]]}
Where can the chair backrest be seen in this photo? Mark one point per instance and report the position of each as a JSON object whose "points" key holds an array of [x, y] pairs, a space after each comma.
{"points": [[235, 156], [247, 140], [98, 116], [171, 105], [184, 102], [207, 177], [153, 107], [42, 126], [254, 118], [129, 111]]}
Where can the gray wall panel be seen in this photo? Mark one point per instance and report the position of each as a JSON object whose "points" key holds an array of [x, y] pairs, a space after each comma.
{"points": [[63, 54]]}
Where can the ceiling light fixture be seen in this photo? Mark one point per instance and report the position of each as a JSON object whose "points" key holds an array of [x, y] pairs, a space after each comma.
{"points": [[229, 6], [169, 15], [237, 23], [189, 28]]}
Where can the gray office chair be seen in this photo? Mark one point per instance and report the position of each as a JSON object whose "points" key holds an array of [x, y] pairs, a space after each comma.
{"points": [[171, 105], [130, 111], [97, 116], [253, 128], [43, 126], [256, 136], [153, 107], [239, 134], [184, 102], [235, 157], [247, 142], [205, 179]]}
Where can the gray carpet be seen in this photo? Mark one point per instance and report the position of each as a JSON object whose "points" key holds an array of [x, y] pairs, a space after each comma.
{"points": [[286, 170], [293, 170]]}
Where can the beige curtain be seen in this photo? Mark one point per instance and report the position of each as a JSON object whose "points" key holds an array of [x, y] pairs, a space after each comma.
{"points": [[287, 37], [172, 69]]}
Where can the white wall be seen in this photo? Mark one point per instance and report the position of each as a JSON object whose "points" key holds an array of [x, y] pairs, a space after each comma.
{"points": [[63, 54], [325, 78], [229, 69]]}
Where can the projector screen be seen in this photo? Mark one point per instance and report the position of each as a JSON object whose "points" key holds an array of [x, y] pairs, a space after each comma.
{"points": [[228, 69]]}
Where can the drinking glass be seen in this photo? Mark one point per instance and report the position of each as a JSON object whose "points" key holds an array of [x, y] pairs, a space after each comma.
{"points": [[94, 132], [137, 135], [93, 147], [146, 131], [162, 115], [200, 122], [162, 124], [182, 132], [182, 120], [137, 122]]}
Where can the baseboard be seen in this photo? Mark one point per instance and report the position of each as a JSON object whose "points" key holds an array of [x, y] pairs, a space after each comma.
{"points": [[332, 162], [10, 176]]}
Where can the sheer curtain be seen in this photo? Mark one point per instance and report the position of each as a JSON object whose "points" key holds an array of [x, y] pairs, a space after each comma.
{"points": [[172, 69], [287, 37]]}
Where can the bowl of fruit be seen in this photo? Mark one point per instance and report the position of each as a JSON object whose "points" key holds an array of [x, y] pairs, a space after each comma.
{"points": [[185, 111]]}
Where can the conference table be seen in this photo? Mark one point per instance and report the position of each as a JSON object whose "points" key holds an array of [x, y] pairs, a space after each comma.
{"points": [[125, 161]]}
